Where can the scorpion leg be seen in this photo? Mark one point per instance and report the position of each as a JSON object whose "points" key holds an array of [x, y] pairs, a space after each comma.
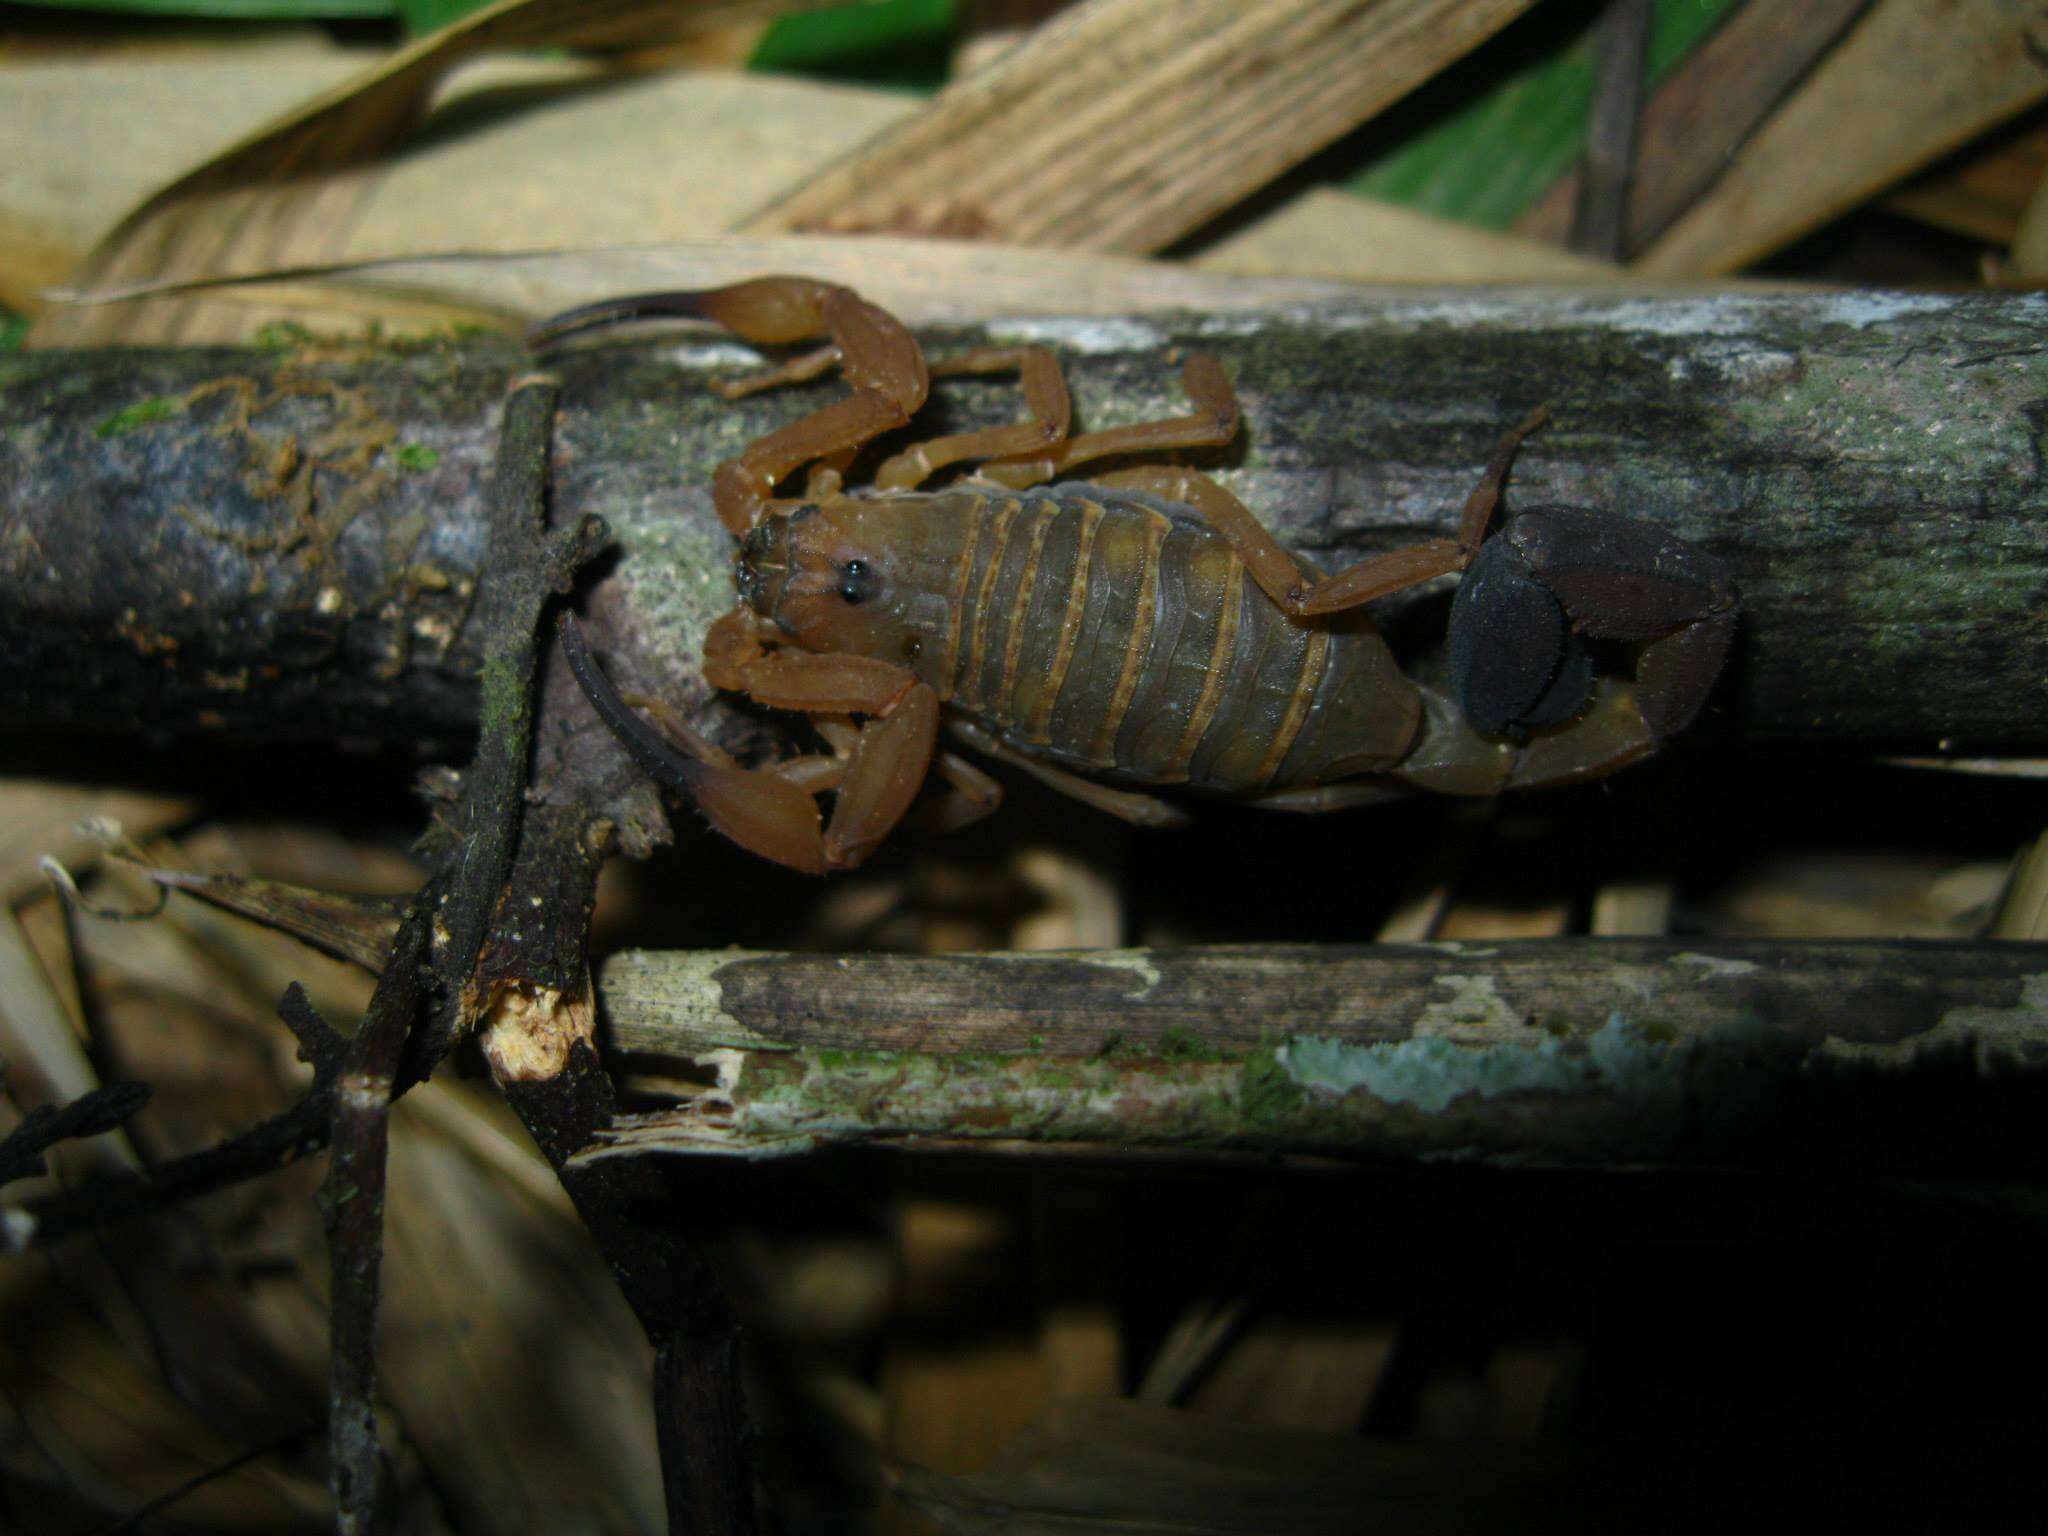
{"points": [[773, 812], [1211, 424], [1045, 394], [1128, 805], [970, 796], [1292, 585], [874, 352]]}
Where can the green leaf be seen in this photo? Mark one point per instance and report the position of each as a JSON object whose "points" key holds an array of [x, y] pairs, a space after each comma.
{"points": [[424, 16], [1486, 138], [907, 44], [235, 10], [13, 328]]}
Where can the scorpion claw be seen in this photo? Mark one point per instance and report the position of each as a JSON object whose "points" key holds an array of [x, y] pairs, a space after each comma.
{"points": [[1517, 660]]}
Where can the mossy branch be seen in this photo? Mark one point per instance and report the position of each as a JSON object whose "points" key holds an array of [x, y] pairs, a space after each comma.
{"points": [[283, 544], [1913, 1056]]}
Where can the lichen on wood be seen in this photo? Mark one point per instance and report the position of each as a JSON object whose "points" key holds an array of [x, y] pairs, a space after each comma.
{"points": [[1590, 1052]]}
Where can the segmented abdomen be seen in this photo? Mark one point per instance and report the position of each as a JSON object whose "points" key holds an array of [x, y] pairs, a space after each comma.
{"points": [[1119, 635]]}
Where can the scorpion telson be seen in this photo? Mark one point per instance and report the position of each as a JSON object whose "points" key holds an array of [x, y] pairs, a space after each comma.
{"points": [[1139, 629]]}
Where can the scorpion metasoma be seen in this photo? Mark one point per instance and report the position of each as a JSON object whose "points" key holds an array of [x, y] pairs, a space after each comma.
{"points": [[1141, 627]]}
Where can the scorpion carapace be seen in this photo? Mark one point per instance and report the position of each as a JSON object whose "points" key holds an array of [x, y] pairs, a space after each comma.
{"points": [[1139, 629]]}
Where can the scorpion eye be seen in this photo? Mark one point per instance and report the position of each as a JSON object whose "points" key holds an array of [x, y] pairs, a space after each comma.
{"points": [[857, 586]]}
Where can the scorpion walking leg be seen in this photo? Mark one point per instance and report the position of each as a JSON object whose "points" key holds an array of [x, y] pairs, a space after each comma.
{"points": [[1128, 805], [875, 353], [1212, 424], [1045, 393], [773, 812], [1315, 799], [970, 796], [1293, 585]]}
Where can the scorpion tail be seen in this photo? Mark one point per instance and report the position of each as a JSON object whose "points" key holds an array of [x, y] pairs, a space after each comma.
{"points": [[770, 310]]}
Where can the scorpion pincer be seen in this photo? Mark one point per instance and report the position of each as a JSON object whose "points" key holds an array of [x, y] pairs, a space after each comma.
{"points": [[1139, 629]]}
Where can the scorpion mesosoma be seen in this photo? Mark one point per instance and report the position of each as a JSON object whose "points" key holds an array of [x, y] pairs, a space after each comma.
{"points": [[1142, 627]]}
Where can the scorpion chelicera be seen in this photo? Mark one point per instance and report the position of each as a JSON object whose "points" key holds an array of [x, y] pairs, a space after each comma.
{"points": [[1141, 628]]}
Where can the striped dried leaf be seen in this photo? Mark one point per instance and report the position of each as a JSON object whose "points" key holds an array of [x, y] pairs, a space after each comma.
{"points": [[1913, 80], [1122, 125], [291, 193]]}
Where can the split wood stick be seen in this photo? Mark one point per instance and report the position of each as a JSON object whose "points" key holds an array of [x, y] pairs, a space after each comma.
{"points": [[1923, 1056]]}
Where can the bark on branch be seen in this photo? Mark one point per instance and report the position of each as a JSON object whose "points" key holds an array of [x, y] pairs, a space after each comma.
{"points": [[1912, 1056], [283, 544]]}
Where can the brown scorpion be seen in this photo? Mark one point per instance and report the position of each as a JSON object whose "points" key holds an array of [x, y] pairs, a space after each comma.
{"points": [[1142, 627]]}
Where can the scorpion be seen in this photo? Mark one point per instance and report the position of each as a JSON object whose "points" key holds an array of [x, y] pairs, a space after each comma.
{"points": [[1138, 630]]}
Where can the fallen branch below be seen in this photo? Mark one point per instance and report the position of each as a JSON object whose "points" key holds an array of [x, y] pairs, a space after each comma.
{"points": [[1914, 1056]]}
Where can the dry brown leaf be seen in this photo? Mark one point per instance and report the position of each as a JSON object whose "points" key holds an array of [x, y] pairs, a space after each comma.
{"points": [[1913, 80], [1113, 1466], [628, 161], [93, 136], [291, 192], [1984, 192], [1837, 893], [1335, 235], [42, 818], [1121, 125], [2030, 241], [353, 928], [1697, 120], [508, 1352], [1298, 1372], [923, 281], [89, 1419], [2023, 911]]}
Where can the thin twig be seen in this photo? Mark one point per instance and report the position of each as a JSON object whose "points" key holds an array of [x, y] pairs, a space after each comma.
{"points": [[352, 1210], [525, 566], [132, 1521], [1600, 221], [102, 1110], [276, 1143]]}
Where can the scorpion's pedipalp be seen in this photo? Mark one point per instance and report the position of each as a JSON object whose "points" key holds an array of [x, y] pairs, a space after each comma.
{"points": [[1451, 758], [888, 767], [1674, 675], [773, 811], [610, 312], [764, 813], [875, 353], [1619, 578], [1507, 641]]}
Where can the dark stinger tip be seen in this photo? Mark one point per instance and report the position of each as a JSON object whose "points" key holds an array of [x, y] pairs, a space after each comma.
{"points": [[610, 312]]}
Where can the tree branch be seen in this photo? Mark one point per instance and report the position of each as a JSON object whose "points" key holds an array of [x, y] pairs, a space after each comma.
{"points": [[285, 544], [1912, 1056]]}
